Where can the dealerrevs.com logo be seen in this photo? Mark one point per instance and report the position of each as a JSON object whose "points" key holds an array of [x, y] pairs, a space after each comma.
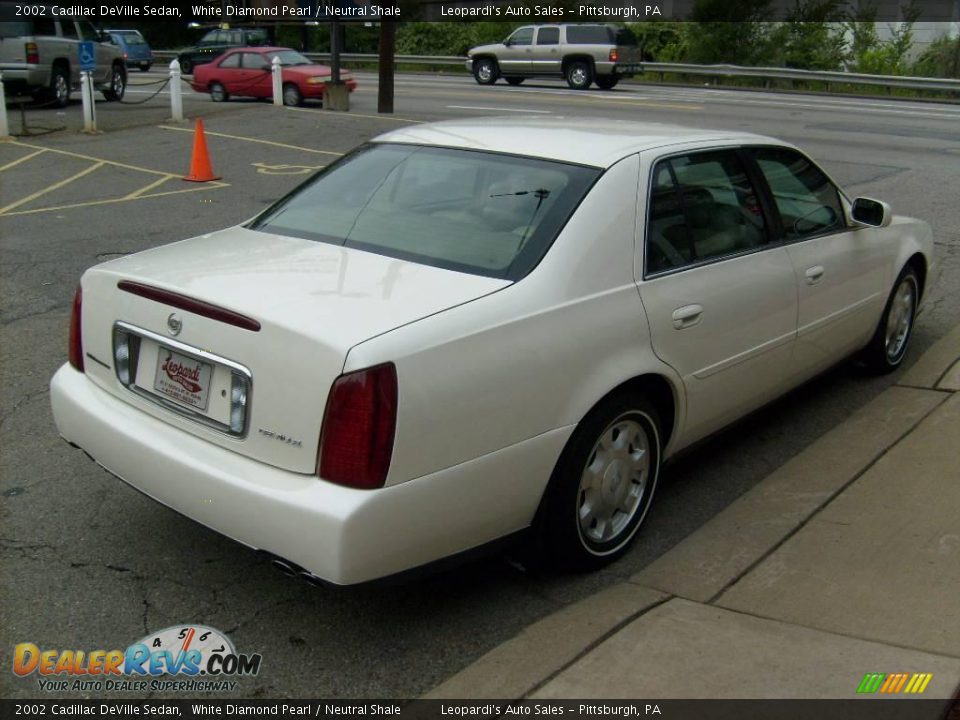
{"points": [[187, 658]]}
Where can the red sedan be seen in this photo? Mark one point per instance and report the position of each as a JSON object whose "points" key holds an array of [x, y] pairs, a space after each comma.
{"points": [[246, 71]]}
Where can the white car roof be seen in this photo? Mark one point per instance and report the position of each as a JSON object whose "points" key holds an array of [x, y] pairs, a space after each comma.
{"points": [[585, 141]]}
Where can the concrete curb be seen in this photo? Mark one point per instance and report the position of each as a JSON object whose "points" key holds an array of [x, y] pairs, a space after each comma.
{"points": [[553, 657]]}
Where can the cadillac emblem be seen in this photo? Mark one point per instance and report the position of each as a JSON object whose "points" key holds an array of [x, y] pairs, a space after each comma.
{"points": [[174, 324]]}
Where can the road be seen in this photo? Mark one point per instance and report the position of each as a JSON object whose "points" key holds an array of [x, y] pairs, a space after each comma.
{"points": [[88, 563]]}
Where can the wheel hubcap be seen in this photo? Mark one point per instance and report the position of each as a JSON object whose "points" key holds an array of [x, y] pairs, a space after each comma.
{"points": [[61, 88], [117, 82], [614, 481], [485, 72], [579, 76], [899, 320], [290, 96]]}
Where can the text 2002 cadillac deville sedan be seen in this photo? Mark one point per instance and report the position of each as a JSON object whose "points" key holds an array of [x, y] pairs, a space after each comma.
{"points": [[466, 329]]}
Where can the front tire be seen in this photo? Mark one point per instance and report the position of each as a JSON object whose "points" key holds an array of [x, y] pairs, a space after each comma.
{"points": [[485, 71], [602, 486], [186, 65], [218, 93], [889, 344], [292, 96], [579, 75], [118, 84]]}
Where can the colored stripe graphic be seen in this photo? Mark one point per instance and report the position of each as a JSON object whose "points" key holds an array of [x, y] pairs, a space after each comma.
{"points": [[871, 682], [893, 683]]}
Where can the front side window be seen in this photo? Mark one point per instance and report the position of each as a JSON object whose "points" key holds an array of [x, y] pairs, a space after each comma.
{"points": [[702, 207], [523, 36], [808, 203], [548, 36], [254, 61], [476, 212]]}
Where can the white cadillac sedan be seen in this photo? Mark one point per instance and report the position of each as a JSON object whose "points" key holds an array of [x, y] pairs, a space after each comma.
{"points": [[468, 329]]}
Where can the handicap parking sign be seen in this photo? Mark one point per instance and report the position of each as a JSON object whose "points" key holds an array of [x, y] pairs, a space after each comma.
{"points": [[88, 59]]}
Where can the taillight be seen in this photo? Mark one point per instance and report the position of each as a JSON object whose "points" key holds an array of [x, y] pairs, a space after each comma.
{"points": [[356, 441], [614, 56], [75, 348], [33, 53]]}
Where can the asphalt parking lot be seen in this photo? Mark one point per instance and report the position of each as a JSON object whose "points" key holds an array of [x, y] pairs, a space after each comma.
{"points": [[89, 563]]}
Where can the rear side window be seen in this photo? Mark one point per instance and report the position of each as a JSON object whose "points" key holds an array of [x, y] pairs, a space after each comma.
{"points": [[702, 207], [30, 27], [589, 35], [475, 212], [231, 61], [808, 203], [548, 36], [69, 29]]}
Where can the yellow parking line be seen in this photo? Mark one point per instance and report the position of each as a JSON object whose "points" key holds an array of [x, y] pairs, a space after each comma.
{"points": [[51, 188], [254, 140], [92, 159], [211, 186], [21, 159], [355, 114], [138, 193]]}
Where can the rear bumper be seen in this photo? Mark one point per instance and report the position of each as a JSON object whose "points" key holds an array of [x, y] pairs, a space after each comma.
{"points": [[25, 76], [341, 535]]}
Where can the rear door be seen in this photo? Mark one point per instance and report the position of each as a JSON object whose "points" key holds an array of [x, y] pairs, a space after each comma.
{"points": [[546, 53], [840, 270], [720, 296], [256, 74]]}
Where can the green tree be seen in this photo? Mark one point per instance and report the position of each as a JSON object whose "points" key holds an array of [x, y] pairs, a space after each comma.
{"points": [[809, 37], [941, 59], [722, 31]]}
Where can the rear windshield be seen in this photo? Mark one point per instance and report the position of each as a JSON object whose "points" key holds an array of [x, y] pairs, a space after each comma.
{"points": [[626, 38], [476, 212]]}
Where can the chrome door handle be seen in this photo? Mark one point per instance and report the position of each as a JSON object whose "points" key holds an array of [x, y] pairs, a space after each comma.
{"points": [[687, 316], [814, 274]]}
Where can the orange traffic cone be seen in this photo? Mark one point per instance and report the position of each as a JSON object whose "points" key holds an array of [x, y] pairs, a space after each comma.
{"points": [[200, 168]]}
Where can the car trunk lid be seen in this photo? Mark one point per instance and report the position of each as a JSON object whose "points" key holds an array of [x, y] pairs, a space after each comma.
{"points": [[168, 330]]}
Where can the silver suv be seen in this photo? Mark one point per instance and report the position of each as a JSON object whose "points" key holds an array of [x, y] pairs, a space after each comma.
{"points": [[582, 54], [42, 57]]}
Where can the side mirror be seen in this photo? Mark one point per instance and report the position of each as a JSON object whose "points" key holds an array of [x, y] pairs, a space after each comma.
{"points": [[508, 42], [872, 213]]}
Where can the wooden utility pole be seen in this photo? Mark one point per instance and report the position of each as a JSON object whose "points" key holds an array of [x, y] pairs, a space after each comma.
{"points": [[388, 46]]}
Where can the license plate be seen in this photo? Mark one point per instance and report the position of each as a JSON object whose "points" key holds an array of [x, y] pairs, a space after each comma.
{"points": [[629, 68], [183, 378]]}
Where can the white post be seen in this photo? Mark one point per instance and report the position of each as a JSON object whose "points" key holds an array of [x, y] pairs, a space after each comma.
{"points": [[176, 99], [4, 127], [277, 81], [89, 111]]}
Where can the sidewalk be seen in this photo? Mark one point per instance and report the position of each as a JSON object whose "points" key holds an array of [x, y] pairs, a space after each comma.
{"points": [[844, 561]]}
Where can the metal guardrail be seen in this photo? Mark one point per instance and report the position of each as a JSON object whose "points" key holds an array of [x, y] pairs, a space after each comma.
{"points": [[767, 74]]}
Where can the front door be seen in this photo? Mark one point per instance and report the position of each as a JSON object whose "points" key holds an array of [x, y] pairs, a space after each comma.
{"points": [[840, 272], [720, 296], [517, 54]]}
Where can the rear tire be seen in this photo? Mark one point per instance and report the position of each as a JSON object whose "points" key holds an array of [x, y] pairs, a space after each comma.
{"points": [[607, 82], [889, 344], [514, 80], [59, 92], [602, 486], [218, 93], [485, 71], [579, 75], [145, 67]]}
